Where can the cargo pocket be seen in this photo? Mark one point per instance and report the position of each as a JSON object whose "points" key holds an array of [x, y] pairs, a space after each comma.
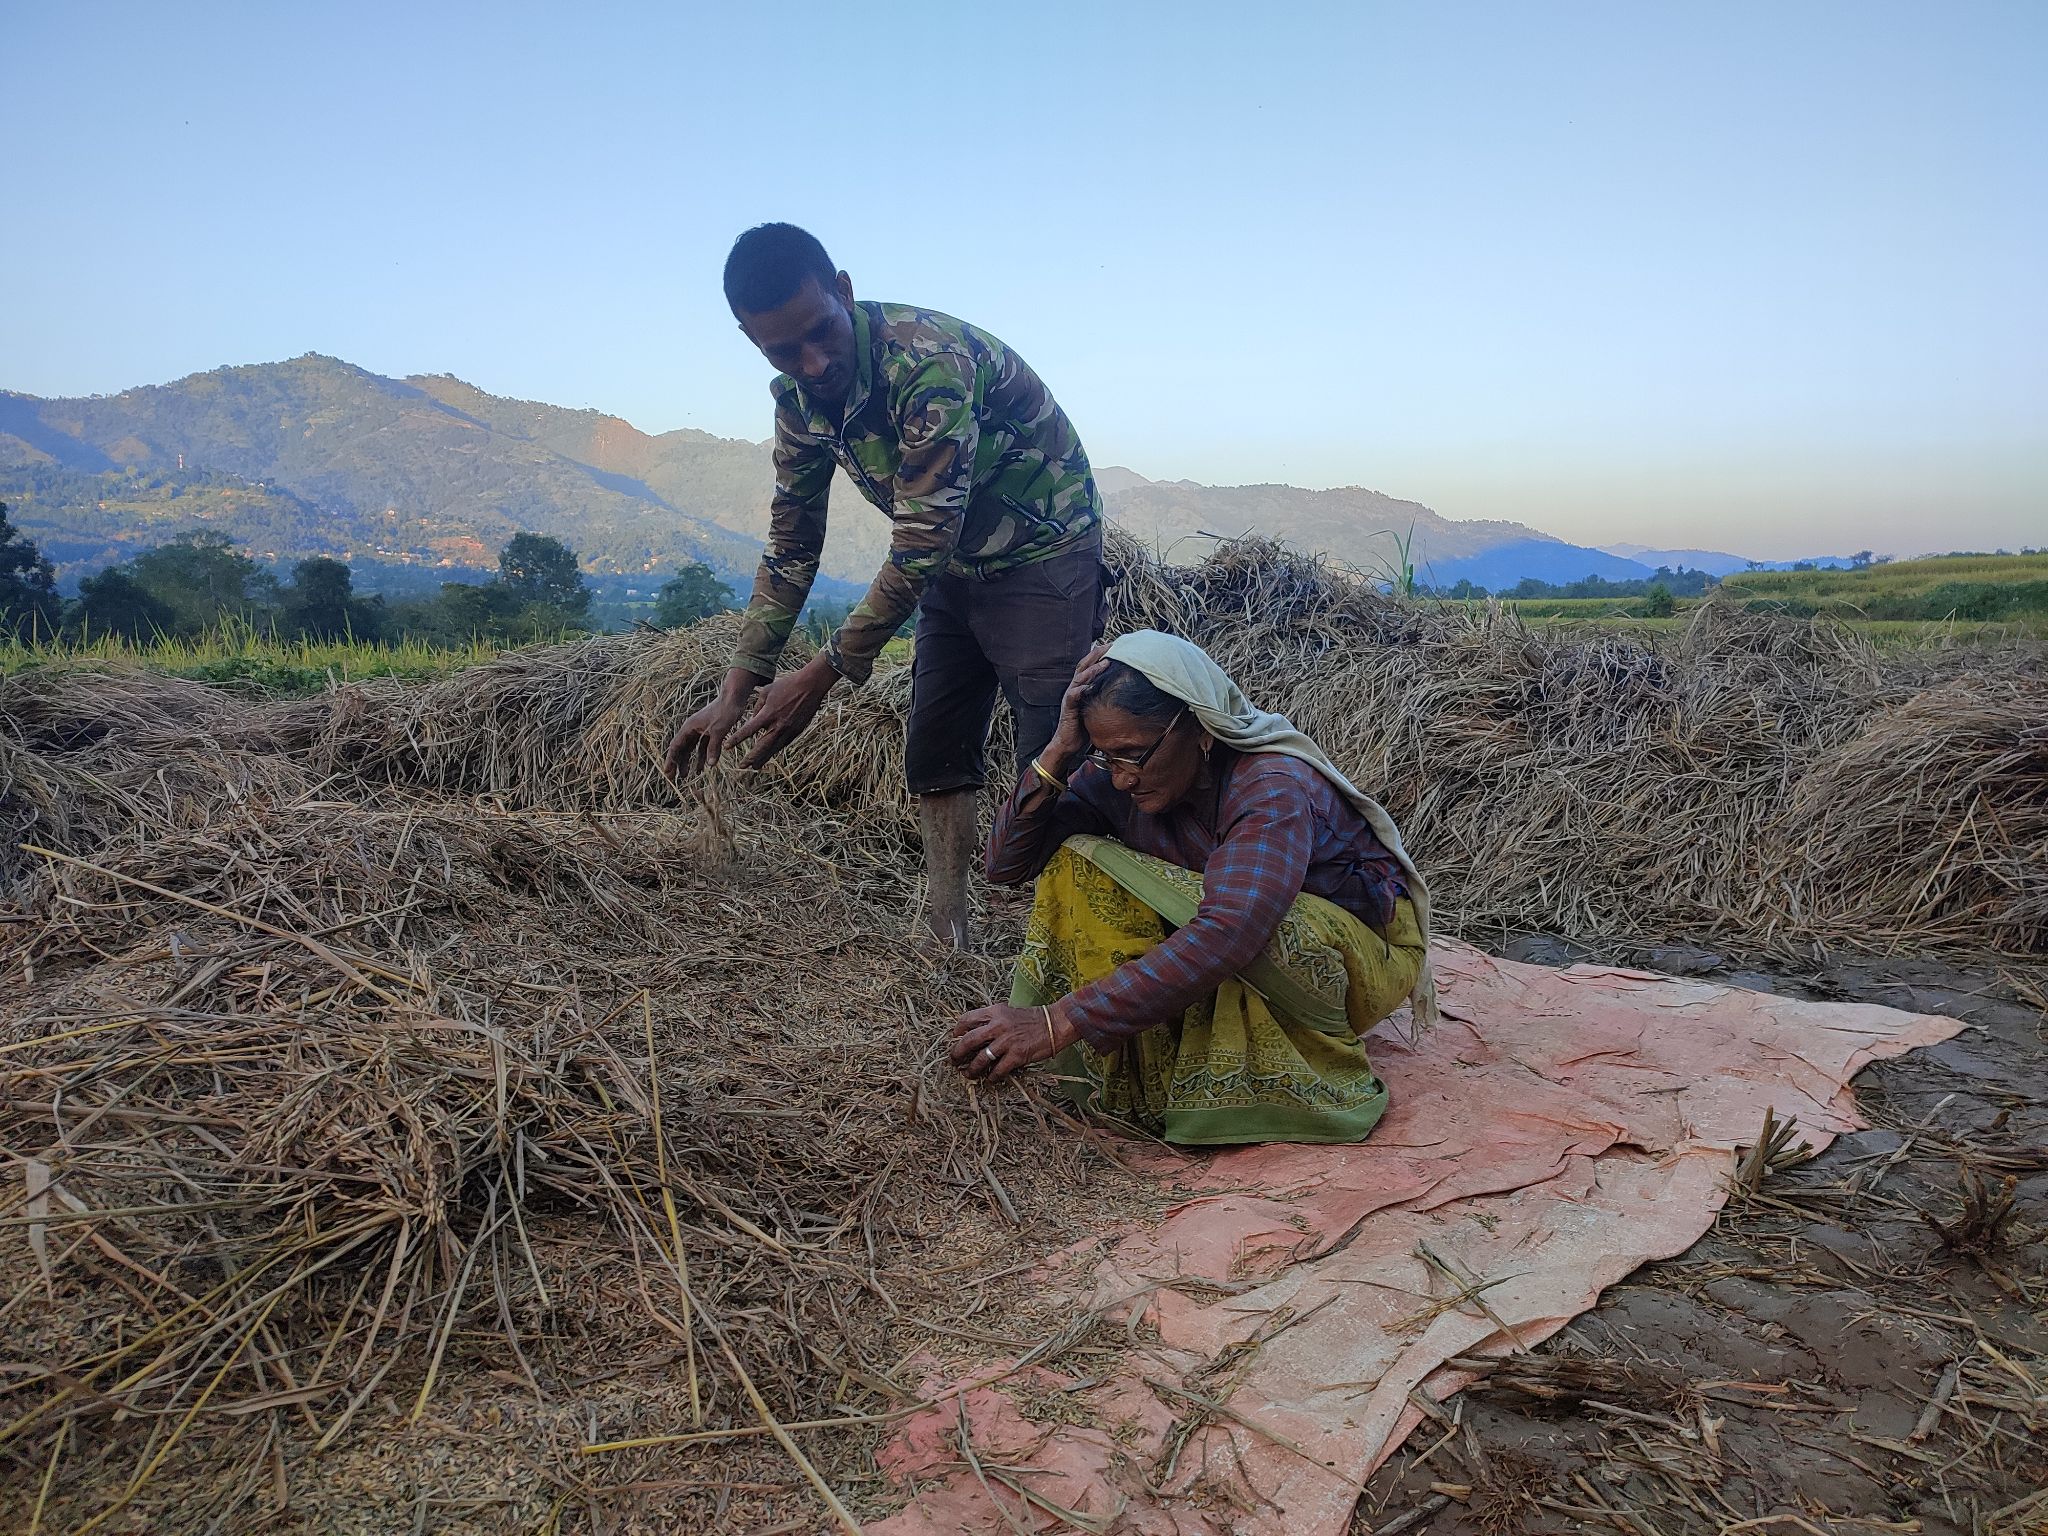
{"points": [[1039, 619], [1043, 690], [1065, 576], [1035, 709]]}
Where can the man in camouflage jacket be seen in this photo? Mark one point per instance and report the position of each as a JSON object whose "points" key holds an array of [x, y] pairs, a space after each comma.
{"points": [[996, 547]]}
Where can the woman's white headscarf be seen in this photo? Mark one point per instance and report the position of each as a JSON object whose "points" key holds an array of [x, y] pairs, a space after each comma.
{"points": [[1185, 670]]}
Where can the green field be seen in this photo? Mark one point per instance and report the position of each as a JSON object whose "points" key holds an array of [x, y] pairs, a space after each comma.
{"points": [[1969, 599], [1971, 588], [238, 657], [1608, 613], [1949, 597]]}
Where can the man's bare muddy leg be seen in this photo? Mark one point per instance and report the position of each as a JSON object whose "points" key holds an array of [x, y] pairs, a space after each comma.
{"points": [[948, 824]]}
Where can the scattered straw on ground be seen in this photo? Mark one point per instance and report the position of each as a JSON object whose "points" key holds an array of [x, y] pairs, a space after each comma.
{"points": [[404, 1091]]}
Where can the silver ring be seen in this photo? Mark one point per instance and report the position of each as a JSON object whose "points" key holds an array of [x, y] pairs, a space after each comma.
{"points": [[991, 1055]]}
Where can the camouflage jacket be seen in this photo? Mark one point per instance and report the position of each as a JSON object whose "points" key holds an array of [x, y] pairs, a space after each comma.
{"points": [[952, 435]]}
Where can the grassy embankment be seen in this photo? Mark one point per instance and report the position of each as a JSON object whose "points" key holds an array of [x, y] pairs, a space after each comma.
{"points": [[238, 656], [1972, 598], [1960, 596]]}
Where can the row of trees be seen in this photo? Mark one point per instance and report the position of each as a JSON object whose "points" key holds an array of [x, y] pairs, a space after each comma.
{"points": [[29, 603], [1679, 583], [199, 582]]}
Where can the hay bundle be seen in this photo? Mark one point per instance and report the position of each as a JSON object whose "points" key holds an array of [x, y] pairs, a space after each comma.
{"points": [[1590, 782], [90, 754], [281, 1208], [512, 726], [1647, 790], [266, 1165], [584, 725], [1929, 826], [328, 1104]]}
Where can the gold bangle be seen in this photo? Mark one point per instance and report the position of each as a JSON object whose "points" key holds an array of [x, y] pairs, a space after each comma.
{"points": [[1044, 773], [1051, 1043]]}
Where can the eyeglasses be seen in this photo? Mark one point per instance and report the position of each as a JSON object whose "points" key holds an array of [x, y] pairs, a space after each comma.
{"points": [[1108, 761]]}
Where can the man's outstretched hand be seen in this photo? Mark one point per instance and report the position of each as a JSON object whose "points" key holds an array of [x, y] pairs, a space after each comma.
{"points": [[699, 740], [787, 708]]}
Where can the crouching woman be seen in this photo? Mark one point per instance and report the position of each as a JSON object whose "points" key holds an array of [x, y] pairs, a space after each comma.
{"points": [[1220, 914]]}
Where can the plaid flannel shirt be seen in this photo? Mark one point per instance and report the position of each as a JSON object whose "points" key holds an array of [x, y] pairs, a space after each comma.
{"points": [[1273, 828]]}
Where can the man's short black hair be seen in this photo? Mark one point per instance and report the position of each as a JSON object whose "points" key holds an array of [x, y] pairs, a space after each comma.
{"points": [[769, 263]]}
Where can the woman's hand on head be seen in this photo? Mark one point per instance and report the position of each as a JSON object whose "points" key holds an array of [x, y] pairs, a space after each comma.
{"points": [[995, 1041], [1070, 736]]}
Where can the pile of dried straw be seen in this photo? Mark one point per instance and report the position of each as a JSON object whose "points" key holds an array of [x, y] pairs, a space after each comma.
{"points": [[405, 1069]]}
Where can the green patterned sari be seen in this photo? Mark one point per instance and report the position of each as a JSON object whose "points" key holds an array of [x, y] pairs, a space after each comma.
{"points": [[1274, 1055]]}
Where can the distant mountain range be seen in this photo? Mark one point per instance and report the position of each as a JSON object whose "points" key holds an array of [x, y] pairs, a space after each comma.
{"points": [[391, 471], [1360, 527], [1717, 562], [316, 455]]}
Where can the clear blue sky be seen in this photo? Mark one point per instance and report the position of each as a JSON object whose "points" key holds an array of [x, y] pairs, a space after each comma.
{"points": [[1767, 276]]}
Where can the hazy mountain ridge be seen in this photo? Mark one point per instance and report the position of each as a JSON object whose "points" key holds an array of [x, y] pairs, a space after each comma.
{"points": [[724, 480], [85, 520], [435, 471], [394, 470], [1360, 527], [1716, 562]]}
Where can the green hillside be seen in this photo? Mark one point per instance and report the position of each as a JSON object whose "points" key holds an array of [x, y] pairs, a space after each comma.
{"points": [[317, 456], [394, 473], [721, 479], [1983, 588], [433, 472], [1978, 598], [85, 521]]}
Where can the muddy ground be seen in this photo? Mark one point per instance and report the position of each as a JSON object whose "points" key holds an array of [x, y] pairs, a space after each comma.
{"points": [[1824, 1360]]}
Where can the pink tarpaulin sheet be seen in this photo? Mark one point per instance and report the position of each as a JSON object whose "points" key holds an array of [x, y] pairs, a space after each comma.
{"points": [[1556, 1130]]}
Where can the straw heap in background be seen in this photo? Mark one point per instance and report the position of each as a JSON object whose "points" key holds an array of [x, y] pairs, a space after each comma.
{"points": [[403, 1089]]}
